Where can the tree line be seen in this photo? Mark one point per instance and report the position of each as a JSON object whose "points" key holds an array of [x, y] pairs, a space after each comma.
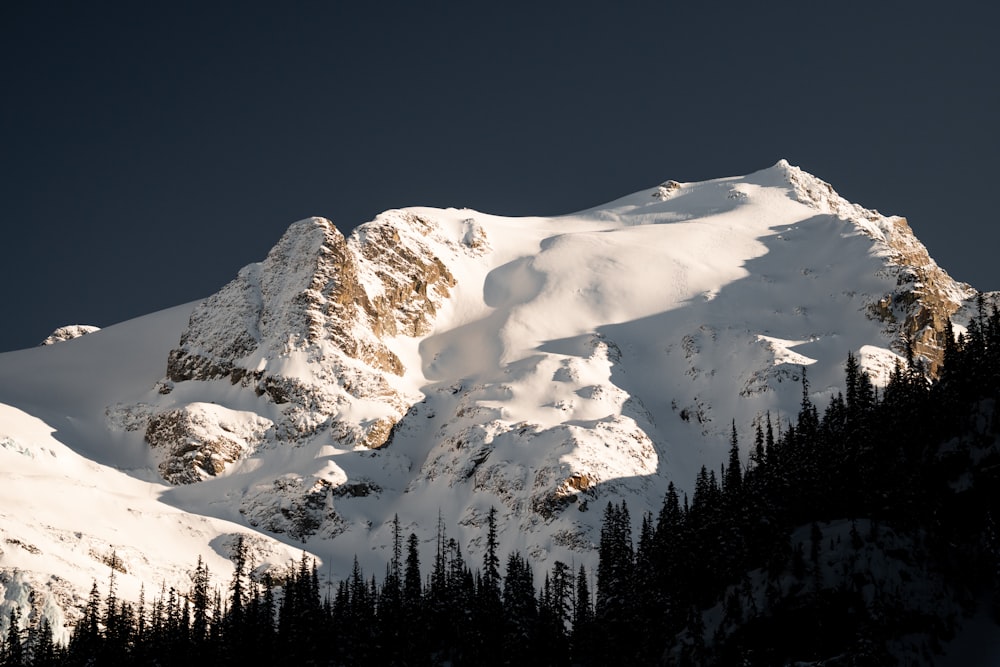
{"points": [[916, 458]]}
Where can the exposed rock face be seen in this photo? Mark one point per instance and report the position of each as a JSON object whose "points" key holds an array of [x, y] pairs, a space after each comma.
{"points": [[447, 362], [305, 328], [665, 190], [200, 440], [308, 350], [925, 298], [305, 293], [69, 333], [413, 285], [297, 506], [301, 339]]}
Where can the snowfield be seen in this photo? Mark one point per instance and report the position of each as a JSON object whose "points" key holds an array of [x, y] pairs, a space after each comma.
{"points": [[446, 361]]}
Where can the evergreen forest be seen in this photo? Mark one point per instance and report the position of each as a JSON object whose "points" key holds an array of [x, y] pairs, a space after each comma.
{"points": [[863, 532]]}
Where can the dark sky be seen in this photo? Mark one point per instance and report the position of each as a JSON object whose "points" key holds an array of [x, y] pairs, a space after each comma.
{"points": [[149, 150]]}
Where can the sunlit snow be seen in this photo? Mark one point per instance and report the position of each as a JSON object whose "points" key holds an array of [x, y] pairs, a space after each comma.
{"points": [[615, 345]]}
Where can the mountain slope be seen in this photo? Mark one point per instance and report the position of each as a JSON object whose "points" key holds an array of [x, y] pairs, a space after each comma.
{"points": [[447, 361]]}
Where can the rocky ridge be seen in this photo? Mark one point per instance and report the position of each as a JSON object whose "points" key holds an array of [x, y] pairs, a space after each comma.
{"points": [[310, 349], [925, 297], [304, 330], [69, 332], [442, 362]]}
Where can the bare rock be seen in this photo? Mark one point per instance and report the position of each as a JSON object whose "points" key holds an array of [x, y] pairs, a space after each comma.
{"points": [[202, 440], [69, 333]]}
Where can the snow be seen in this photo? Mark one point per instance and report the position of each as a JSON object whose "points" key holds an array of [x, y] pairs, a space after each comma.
{"points": [[62, 516], [614, 345]]}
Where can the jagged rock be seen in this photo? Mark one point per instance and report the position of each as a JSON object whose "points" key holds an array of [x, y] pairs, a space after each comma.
{"points": [[665, 190], [359, 489], [294, 506], [310, 340], [925, 296], [304, 331], [200, 440], [442, 359], [69, 333], [305, 328]]}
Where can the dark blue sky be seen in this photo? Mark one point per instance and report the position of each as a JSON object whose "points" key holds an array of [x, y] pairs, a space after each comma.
{"points": [[149, 150]]}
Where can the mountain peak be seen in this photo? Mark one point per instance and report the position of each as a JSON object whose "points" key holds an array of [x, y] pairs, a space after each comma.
{"points": [[461, 335], [69, 332], [457, 361]]}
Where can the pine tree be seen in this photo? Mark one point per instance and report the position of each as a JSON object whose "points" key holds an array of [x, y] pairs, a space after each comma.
{"points": [[852, 382], [519, 609], [436, 597], [43, 649], [648, 596], [489, 605], [200, 603], [361, 610], [583, 620], [114, 646], [412, 587], [397, 548], [491, 561], [237, 595], [414, 618], [391, 619], [264, 626], [86, 640], [13, 646], [562, 594], [758, 456], [613, 610], [670, 549], [732, 480]]}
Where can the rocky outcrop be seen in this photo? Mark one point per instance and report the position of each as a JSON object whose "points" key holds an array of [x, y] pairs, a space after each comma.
{"points": [[916, 312], [200, 440], [412, 284], [307, 348], [69, 333], [305, 329], [306, 293], [302, 339], [925, 298], [295, 506], [666, 190]]}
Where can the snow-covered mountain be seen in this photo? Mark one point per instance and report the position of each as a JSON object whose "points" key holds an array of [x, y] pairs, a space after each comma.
{"points": [[445, 362]]}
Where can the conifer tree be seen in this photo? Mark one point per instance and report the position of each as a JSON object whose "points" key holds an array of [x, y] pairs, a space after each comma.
{"points": [[561, 599], [390, 600], [733, 477], [669, 552], [583, 621], [414, 618], [489, 605], [491, 561], [13, 647], [42, 646], [758, 456], [114, 644], [85, 642], [237, 597], [520, 612], [199, 597], [613, 609], [412, 587]]}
